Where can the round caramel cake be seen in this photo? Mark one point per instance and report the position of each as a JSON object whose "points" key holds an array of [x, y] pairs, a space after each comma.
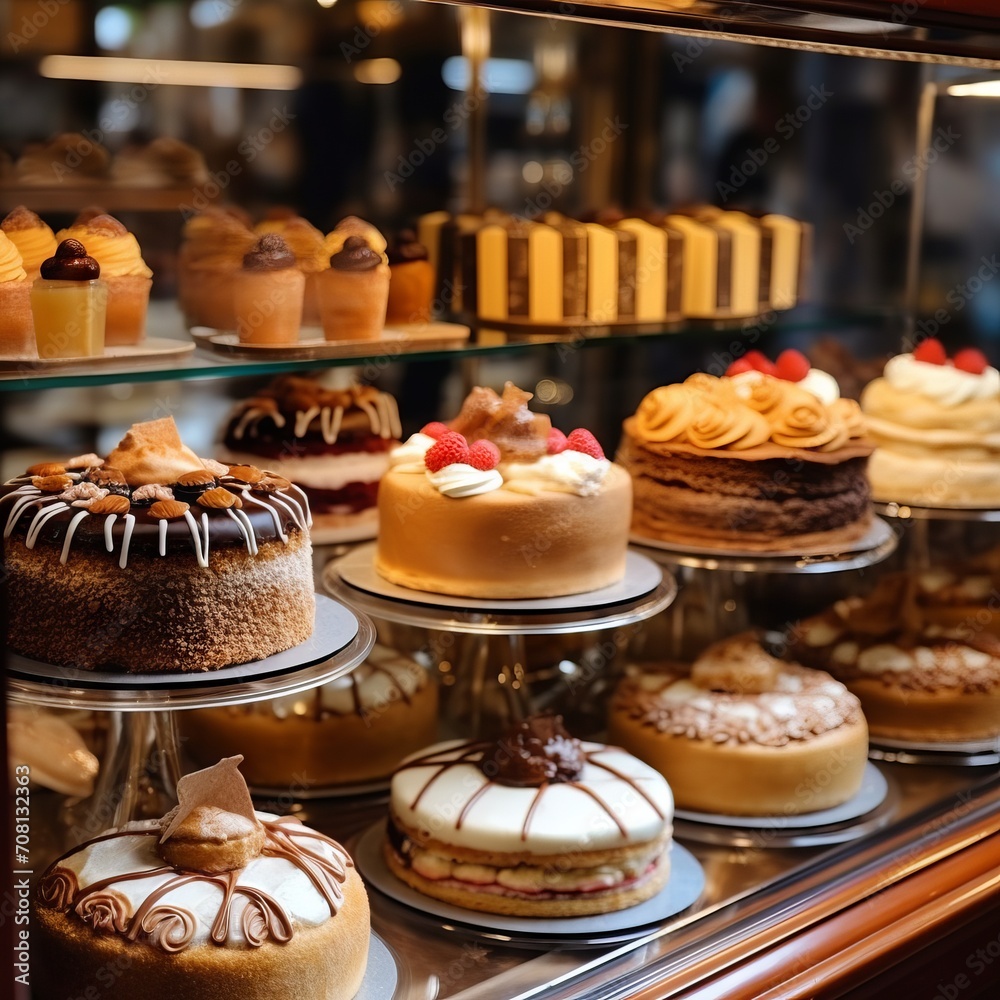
{"points": [[537, 824], [231, 904], [498, 504], [334, 443], [749, 462], [155, 560], [353, 729], [917, 681], [744, 734], [937, 427]]}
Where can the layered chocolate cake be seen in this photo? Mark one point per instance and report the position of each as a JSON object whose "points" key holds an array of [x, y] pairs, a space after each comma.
{"points": [[499, 504], [750, 461], [537, 824], [212, 900], [740, 733], [154, 559], [332, 442]]}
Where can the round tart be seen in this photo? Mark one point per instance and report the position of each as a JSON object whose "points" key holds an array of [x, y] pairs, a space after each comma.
{"points": [[214, 900], [537, 824], [743, 734]]}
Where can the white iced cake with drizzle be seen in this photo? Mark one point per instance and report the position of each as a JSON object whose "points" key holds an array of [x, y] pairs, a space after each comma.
{"points": [[537, 824], [212, 900], [154, 559]]}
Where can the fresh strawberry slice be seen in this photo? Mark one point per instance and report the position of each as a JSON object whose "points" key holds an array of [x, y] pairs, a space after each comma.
{"points": [[448, 449], [792, 365], [582, 440], [434, 429], [556, 442], [931, 351], [483, 455], [970, 359], [760, 362], [739, 366]]}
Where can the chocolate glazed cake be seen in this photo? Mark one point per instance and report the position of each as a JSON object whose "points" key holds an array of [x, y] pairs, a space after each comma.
{"points": [[751, 462], [155, 560]]}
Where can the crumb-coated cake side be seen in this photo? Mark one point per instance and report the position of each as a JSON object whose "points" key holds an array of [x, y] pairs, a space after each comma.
{"points": [[499, 504], [917, 680], [155, 560], [353, 729], [213, 901], [743, 734], [749, 461], [536, 824]]}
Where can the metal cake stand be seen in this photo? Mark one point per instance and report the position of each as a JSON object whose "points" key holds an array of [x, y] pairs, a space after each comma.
{"points": [[140, 766], [484, 649], [916, 524]]}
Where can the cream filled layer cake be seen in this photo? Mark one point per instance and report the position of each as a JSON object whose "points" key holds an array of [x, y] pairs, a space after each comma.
{"points": [[353, 729], [214, 900], [917, 681], [333, 442], [154, 559], [498, 504], [743, 734], [537, 824], [750, 461], [937, 426]]}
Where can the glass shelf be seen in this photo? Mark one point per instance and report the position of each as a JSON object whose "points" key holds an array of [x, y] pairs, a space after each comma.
{"points": [[945, 32], [165, 322]]}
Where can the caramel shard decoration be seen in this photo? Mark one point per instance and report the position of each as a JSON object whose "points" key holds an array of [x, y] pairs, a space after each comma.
{"points": [[153, 452], [169, 509], [219, 498]]}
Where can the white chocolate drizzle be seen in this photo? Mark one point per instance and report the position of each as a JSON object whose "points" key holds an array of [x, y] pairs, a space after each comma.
{"points": [[109, 538], [126, 539], [38, 522], [70, 531]]}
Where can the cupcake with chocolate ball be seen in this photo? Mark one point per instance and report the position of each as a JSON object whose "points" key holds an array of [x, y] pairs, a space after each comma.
{"points": [[238, 902], [17, 336], [537, 824], [268, 293], [411, 284], [354, 290], [34, 240]]}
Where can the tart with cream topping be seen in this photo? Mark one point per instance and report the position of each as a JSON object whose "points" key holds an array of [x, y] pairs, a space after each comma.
{"points": [[212, 900], [537, 824], [750, 461], [154, 559], [742, 734], [499, 504]]}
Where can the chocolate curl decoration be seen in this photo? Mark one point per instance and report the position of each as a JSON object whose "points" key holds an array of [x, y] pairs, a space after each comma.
{"points": [[220, 786]]}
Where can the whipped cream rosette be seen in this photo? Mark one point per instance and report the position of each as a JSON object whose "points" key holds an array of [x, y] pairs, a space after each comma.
{"points": [[762, 459], [936, 422]]}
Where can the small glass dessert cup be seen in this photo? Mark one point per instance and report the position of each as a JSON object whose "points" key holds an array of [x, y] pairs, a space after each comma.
{"points": [[69, 305], [267, 294]]}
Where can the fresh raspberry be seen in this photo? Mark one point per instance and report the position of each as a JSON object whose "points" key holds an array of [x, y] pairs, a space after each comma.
{"points": [[434, 429], [792, 365], [448, 449], [484, 455], [969, 359], [739, 366], [583, 440], [931, 351], [760, 362], [556, 442]]}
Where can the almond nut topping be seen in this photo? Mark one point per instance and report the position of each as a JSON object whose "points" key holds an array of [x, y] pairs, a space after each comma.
{"points": [[51, 484], [246, 473], [44, 469], [168, 510], [113, 503], [220, 498], [199, 477], [275, 482], [87, 461], [105, 474]]}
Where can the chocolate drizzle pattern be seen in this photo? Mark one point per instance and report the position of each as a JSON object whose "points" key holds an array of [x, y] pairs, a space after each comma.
{"points": [[475, 753], [29, 496], [171, 927]]}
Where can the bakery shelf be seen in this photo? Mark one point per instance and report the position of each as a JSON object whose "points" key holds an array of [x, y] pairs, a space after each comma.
{"points": [[957, 33], [165, 322]]}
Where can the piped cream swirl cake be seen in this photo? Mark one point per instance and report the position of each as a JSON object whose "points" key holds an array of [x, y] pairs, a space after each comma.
{"points": [[154, 559], [536, 824], [740, 733], [213, 900]]}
